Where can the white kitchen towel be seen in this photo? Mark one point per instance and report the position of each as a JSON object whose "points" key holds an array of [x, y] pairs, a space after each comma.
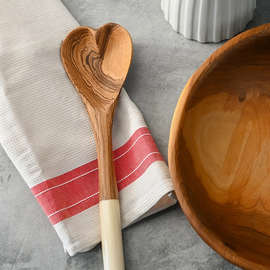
{"points": [[45, 130]]}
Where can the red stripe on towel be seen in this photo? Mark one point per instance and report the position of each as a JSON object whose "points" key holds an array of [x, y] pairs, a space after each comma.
{"points": [[75, 191]]}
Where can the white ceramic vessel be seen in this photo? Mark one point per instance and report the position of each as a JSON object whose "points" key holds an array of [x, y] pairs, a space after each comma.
{"points": [[208, 20]]}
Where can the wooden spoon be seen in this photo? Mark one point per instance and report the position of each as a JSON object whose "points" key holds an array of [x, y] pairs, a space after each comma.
{"points": [[97, 63]]}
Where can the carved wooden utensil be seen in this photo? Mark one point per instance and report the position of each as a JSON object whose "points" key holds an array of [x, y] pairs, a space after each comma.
{"points": [[97, 63], [219, 150]]}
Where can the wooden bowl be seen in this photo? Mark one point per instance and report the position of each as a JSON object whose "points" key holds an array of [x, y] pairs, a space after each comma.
{"points": [[219, 150]]}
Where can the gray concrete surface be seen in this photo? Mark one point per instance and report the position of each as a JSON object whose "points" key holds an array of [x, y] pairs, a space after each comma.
{"points": [[163, 62]]}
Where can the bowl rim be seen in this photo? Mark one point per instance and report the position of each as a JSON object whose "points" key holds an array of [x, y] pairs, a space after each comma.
{"points": [[209, 65]]}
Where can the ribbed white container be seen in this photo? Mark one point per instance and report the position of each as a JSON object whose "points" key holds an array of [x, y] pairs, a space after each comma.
{"points": [[208, 20]]}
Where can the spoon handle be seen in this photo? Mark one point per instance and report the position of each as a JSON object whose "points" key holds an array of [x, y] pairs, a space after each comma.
{"points": [[110, 219], [111, 235]]}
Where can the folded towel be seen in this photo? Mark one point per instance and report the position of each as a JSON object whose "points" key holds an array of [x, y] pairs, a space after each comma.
{"points": [[45, 130]]}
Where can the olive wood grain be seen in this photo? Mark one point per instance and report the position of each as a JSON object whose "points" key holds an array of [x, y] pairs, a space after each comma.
{"points": [[219, 150], [97, 63]]}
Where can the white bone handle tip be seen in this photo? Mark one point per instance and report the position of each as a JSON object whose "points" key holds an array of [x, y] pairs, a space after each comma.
{"points": [[111, 235]]}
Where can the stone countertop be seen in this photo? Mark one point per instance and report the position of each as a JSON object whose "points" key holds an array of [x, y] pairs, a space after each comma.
{"points": [[163, 61]]}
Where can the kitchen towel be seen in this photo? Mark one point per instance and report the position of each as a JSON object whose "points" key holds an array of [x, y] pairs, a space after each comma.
{"points": [[45, 130]]}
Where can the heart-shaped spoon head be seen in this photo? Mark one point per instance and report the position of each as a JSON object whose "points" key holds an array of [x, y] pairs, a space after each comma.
{"points": [[97, 62]]}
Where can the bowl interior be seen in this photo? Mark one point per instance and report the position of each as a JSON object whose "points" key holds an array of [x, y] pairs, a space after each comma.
{"points": [[221, 150]]}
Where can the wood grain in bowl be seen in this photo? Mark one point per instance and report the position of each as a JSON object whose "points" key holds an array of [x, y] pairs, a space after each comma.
{"points": [[219, 150]]}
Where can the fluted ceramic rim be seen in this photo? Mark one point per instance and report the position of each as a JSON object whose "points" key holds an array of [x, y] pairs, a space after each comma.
{"points": [[208, 20]]}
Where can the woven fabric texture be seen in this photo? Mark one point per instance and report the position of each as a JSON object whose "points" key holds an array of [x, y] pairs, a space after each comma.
{"points": [[45, 129]]}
